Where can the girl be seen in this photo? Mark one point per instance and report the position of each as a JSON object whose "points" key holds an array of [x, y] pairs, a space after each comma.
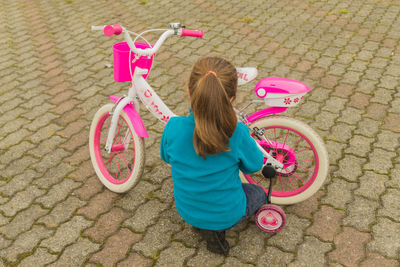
{"points": [[206, 150]]}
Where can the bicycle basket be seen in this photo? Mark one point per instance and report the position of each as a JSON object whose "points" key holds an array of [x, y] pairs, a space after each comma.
{"points": [[121, 61]]}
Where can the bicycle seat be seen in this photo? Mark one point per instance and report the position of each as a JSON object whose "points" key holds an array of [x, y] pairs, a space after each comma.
{"points": [[246, 75]]}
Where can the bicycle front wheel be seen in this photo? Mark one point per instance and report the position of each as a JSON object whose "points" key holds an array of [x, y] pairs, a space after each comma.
{"points": [[122, 168], [303, 155]]}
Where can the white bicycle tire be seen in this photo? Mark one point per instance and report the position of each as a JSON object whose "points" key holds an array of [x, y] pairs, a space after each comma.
{"points": [[320, 148], [139, 155]]}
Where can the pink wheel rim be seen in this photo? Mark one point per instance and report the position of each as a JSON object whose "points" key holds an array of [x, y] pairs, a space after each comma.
{"points": [[118, 165], [283, 182]]}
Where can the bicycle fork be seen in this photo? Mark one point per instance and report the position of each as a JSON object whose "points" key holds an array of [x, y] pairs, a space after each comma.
{"points": [[113, 126]]}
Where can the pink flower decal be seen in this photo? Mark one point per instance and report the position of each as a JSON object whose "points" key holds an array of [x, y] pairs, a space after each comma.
{"points": [[287, 101], [296, 100], [302, 97]]}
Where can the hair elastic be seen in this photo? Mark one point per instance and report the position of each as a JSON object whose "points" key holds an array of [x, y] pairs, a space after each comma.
{"points": [[211, 72]]}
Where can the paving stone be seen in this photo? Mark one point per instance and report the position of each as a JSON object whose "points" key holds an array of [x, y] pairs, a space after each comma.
{"points": [[53, 176], [274, 257], [385, 240], [156, 238], [58, 193], [106, 225], [165, 194], [372, 185], [188, 237], [135, 259], [307, 207], [349, 247], [18, 183], [368, 127], [77, 253], [311, 252], [115, 247], [326, 223], [388, 140], [335, 151], [91, 187], [21, 200], [137, 195], [350, 116], [380, 161], [359, 146], [344, 90], [231, 261], [335, 104], [250, 245], [61, 212], [361, 214], [341, 132], [391, 205], [23, 221], [338, 193], [392, 122], [374, 259], [359, 100], [41, 257], [66, 234], [14, 168], [291, 235], [4, 242], [25, 243], [145, 215], [175, 255], [350, 167], [99, 204], [394, 178], [47, 146], [84, 171]]}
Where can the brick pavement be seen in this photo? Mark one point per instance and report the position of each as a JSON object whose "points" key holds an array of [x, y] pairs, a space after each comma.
{"points": [[54, 211]]}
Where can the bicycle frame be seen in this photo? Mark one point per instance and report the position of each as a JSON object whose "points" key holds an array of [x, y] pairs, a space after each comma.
{"points": [[139, 89]]}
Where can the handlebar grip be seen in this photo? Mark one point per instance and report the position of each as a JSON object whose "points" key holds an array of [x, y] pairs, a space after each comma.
{"points": [[192, 33], [111, 30]]}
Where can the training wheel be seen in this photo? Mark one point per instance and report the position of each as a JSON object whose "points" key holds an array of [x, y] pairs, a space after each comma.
{"points": [[270, 218]]}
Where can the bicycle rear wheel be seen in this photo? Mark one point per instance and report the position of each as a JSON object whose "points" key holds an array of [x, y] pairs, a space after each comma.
{"points": [[302, 153], [122, 168]]}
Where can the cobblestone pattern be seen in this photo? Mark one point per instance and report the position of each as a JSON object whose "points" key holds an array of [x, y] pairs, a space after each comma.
{"points": [[53, 78]]}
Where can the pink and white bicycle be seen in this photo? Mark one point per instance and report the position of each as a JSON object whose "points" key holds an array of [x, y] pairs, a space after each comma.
{"points": [[296, 160]]}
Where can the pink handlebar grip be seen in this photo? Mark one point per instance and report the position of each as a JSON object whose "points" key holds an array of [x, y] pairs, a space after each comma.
{"points": [[111, 30], [192, 33]]}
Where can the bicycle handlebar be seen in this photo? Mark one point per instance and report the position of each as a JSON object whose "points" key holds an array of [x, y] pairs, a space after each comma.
{"points": [[117, 29], [192, 33], [111, 30]]}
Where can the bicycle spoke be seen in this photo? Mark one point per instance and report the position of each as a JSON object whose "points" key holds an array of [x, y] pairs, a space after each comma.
{"points": [[308, 148], [306, 160], [296, 143], [292, 183], [126, 162], [280, 178], [284, 142], [298, 177], [270, 143], [304, 168]]}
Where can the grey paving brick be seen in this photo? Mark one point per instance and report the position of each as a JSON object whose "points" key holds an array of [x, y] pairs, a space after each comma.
{"points": [[66, 234], [25, 243]]}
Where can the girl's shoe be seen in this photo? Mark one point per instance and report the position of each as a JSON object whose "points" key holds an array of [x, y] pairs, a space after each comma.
{"points": [[216, 241]]}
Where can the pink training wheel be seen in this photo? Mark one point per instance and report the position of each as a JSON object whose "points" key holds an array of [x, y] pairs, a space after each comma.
{"points": [[270, 218]]}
